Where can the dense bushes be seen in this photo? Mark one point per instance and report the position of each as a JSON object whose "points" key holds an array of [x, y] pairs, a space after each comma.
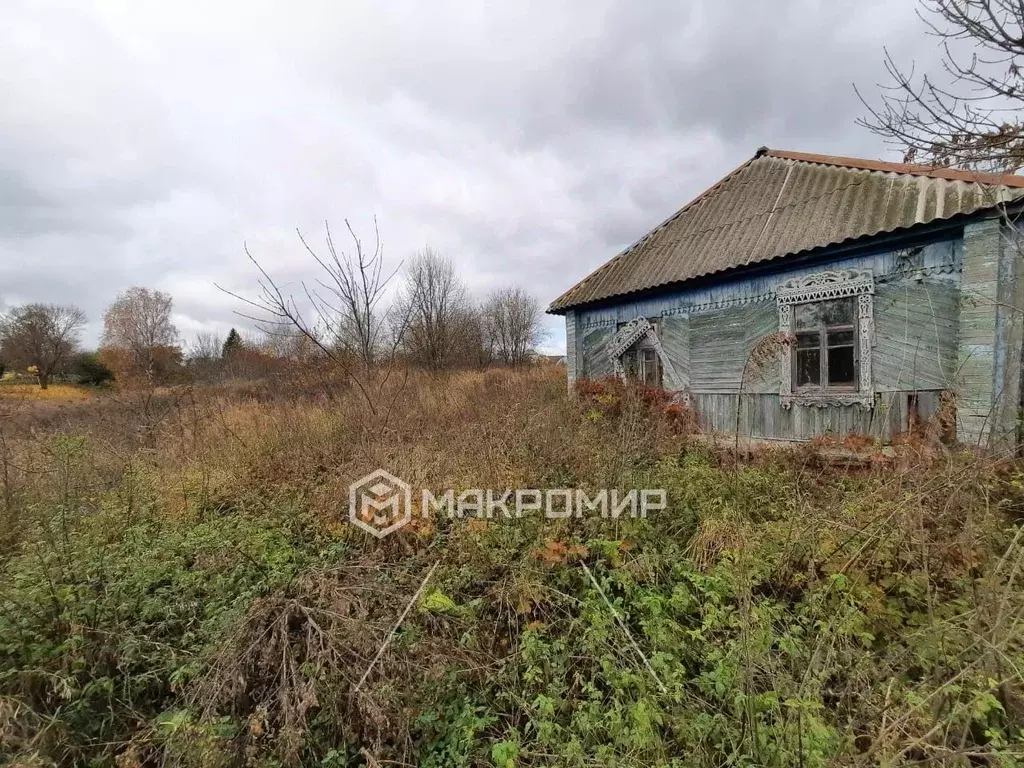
{"points": [[206, 604], [90, 370]]}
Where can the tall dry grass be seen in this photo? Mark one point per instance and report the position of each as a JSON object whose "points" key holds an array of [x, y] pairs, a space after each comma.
{"points": [[181, 587]]}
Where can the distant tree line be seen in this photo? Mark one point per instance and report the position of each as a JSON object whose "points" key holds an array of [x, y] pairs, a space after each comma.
{"points": [[366, 317], [139, 343], [357, 314]]}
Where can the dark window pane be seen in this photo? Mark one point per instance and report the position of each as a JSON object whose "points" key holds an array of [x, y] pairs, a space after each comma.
{"points": [[837, 312], [808, 367], [651, 368], [840, 338], [807, 341], [840, 366], [805, 316]]}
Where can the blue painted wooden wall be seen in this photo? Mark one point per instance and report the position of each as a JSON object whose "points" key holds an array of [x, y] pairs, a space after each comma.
{"points": [[918, 351]]}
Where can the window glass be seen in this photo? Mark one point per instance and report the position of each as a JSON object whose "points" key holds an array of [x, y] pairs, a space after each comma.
{"points": [[808, 367], [651, 369], [808, 340], [840, 366], [825, 354], [840, 338], [837, 311], [819, 313], [805, 316]]}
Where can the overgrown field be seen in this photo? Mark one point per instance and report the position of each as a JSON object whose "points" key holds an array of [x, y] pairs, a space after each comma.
{"points": [[180, 587]]}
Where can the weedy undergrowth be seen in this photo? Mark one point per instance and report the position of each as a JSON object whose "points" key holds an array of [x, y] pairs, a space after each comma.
{"points": [[204, 602]]}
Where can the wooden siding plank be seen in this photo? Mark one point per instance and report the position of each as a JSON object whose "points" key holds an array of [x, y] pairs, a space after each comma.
{"points": [[915, 335], [720, 342], [976, 357], [762, 415], [595, 353], [675, 341]]}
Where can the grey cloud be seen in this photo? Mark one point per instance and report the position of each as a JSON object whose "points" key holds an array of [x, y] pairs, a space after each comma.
{"points": [[144, 144]]}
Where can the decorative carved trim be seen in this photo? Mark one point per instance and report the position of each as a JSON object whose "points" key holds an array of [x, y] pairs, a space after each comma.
{"points": [[866, 332], [786, 373], [630, 334], [713, 305], [823, 286], [594, 325], [824, 400], [942, 268]]}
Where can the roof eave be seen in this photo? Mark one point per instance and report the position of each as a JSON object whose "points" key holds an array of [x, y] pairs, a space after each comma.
{"points": [[824, 253], [552, 310]]}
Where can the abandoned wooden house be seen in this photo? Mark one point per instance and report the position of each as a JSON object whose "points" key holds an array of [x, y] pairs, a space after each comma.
{"points": [[821, 294]]}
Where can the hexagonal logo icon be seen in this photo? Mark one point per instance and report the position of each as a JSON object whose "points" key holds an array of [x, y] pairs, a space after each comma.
{"points": [[380, 503]]}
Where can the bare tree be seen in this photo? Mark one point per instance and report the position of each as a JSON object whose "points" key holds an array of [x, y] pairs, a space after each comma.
{"points": [[203, 355], [43, 336], [341, 318], [205, 346], [137, 328], [434, 305], [477, 349], [970, 117], [512, 320], [348, 298]]}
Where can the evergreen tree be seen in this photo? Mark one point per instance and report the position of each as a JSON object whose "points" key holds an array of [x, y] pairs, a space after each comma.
{"points": [[232, 344]]}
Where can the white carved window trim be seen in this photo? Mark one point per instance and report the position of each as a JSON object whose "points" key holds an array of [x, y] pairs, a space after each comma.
{"points": [[630, 334], [823, 286]]}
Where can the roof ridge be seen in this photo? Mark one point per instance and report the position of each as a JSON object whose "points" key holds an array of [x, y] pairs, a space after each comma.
{"points": [[884, 166]]}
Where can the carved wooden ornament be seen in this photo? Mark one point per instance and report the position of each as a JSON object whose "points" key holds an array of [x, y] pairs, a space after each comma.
{"points": [[824, 286]]}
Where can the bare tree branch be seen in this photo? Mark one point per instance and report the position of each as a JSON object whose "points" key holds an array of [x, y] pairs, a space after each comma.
{"points": [[973, 120], [512, 323], [346, 321]]}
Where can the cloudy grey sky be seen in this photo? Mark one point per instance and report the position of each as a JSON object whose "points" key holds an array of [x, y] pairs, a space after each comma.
{"points": [[142, 143]]}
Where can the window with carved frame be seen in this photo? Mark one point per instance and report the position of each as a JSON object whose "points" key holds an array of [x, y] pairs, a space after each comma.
{"points": [[829, 318], [825, 349], [641, 361]]}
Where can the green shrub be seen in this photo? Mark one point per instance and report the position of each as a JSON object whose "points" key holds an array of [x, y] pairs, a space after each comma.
{"points": [[90, 370]]}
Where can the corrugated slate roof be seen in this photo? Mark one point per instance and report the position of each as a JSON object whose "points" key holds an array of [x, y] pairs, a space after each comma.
{"points": [[781, 204]]}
